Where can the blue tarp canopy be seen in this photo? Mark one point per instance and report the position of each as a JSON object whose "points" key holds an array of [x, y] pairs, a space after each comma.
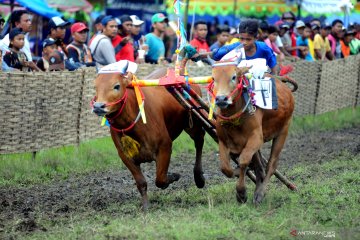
{"points": [[39, 7]]}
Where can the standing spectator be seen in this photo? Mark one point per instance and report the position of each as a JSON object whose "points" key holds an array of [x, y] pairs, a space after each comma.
{"points": [[138, 38], [285, 38], [101, 48], [263, 31], [349, 44], [289, 18], [321, 44], [57, 30], [335, 36], [122, 42], [233, 36], [19, 19], [222, 36], [98, 27], [15, 58], [154, 40], [78, 51], [199, 41], [315, 29], [48, 46], [303, 43]]}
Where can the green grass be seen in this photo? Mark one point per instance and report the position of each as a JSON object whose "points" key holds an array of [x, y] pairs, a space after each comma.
{"points": [[100, 154], [327, 200]]}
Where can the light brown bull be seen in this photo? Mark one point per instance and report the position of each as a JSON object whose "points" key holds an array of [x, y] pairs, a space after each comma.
{"points": [[241, 134], [166, 119]]}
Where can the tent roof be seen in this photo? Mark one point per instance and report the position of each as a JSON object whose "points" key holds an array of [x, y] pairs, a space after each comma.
{"points": [[39, 7], [71, 5]]}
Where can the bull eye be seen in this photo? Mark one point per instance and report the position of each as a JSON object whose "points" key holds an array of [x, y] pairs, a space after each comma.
{"points": [[117, 87], [233, 78]]}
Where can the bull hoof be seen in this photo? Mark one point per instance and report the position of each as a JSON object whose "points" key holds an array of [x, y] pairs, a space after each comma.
{"points": [[258, 197], [199, 180], [241, 196], [145, 206], [172, 177]]}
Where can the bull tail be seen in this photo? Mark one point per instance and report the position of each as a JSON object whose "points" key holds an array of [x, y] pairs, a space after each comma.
{"points": [[287, 79]]}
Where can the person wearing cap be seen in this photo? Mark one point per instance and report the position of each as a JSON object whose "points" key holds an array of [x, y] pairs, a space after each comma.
{"points": [[48, 47], [78, 51], [154, 40], [57, 61], [122, 42], [15, 58], [19, 19], [302, 42], [289, 18], [98, 27], [335, 36], [101, 47], [285, 38], [349, 44], [138, 39], [321, 44], [57, 30]]}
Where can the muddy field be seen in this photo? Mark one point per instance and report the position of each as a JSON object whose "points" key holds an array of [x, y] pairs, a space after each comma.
{"points": [[21, 207]]}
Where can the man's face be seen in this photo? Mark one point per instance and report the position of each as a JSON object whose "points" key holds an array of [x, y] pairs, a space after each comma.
{"points": [[306, 33], [290, 21], [247, 40], [273, 36], [135, 30], [99, 27], [300, 30], [160, 26], [325, 32], [24, 23], [348, 38], [81, 36], [58, 32], [111, 29], [337, 29], [201, 31]]}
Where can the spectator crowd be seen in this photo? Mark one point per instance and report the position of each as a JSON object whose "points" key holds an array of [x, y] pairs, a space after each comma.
{"points": [[120, 38]]}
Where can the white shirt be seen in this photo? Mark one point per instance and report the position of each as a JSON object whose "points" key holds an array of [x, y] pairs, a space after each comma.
{"points": [[279, 42], [4, 46]]}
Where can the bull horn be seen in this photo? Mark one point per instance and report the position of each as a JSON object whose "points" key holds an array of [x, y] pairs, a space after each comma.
{"points": [[125, 68], [211, 61]]}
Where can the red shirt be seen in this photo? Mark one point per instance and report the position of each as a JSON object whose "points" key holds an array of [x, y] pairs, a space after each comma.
{"points": [[200, 45], [126, 52]]}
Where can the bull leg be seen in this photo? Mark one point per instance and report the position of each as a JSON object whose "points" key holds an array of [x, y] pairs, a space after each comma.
{"points": [[251, 147], [163, 179], [276, 148], [224, 155], [135, 170], [198, 138]]}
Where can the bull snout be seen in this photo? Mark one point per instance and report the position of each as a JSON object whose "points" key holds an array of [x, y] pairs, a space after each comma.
{"points": [[99, 108], [222, 101]]}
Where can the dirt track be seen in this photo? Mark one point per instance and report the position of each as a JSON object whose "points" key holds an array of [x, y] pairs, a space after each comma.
{"points": [[98, 190]]}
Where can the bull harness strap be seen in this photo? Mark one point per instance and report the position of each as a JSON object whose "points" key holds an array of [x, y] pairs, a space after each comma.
{"points": [[121, 101]]}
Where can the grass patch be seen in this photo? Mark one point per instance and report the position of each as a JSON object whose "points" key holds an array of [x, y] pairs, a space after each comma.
{"points": [[325, 202]]}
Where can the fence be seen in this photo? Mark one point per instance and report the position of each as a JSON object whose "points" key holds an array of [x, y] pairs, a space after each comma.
{"points": [[44, 110]]}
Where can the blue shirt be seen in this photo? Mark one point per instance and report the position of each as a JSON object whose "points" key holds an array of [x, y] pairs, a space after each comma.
{"points": [[156, 47], [262, 51], [215, 47]]}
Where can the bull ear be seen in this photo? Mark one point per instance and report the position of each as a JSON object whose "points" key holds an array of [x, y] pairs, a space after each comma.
{"points": [[127, 78]]}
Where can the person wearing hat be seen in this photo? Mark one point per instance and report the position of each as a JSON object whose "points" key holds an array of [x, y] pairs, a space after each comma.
{"points": [[101, 47], [57, 61], [289, 18], [302, 42], [154, 40], [285, 38], [48, 47], [138, 39], [321, 44], [15, 58], [57, 29], [349, 44], [335, 36], [78, 51], [123, 42], [18, 19], [98, 27]]}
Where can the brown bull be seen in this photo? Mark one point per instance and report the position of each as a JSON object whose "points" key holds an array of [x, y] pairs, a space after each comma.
{"points": [[241, 133], [166, 119]]}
